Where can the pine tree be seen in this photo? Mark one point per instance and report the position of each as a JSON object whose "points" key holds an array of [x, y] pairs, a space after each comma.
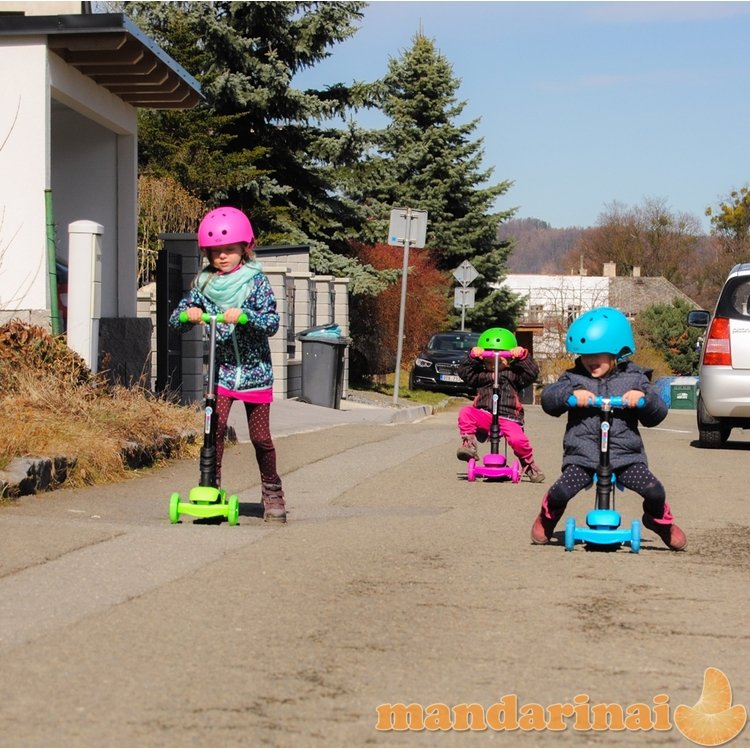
{"points": [[258, 142], [426, 160]]}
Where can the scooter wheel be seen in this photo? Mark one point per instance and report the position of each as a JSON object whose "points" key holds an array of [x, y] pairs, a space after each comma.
{"points": [[635, 536], [174, 513], [471, 473], [515, 472], [570, 534], [233, 511]]}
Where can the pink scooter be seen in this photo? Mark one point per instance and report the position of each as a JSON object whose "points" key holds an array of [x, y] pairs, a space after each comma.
{"points": [[494, 465]]}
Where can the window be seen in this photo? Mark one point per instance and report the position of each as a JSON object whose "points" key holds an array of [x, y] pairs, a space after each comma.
{"points": [[536, 313]]}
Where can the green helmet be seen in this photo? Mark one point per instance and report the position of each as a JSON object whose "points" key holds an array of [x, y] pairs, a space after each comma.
{"points": [[497, 339]]}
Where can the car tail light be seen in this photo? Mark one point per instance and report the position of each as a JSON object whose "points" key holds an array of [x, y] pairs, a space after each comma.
{"points": [[718, 350]]}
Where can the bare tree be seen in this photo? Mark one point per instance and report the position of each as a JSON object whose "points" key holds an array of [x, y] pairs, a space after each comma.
{"points": [[650, 236], [163, 206]]}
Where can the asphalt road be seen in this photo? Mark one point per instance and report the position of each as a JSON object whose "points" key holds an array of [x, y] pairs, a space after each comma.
{"points": [[396, 580]]}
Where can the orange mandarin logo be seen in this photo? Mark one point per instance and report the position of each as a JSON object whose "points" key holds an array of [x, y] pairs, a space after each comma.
{"points": [[712, 721]]}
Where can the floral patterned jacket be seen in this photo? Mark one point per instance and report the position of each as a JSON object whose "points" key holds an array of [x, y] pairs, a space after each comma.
{"points": [[243, 356]]}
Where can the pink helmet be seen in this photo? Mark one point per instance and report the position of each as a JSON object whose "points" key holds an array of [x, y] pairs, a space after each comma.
{"points": [[225, 226]]}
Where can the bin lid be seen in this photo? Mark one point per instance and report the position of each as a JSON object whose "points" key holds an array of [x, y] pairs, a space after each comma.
{"points": [[686, 380], [330, 332]]}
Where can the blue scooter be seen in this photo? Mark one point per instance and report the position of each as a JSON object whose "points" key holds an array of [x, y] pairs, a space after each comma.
{"points": [[603, 522]]}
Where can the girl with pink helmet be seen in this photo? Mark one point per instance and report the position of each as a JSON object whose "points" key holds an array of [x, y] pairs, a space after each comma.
{"points": [[232, 283]]}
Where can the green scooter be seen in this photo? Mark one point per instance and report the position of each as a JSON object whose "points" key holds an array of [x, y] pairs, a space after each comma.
{"points": [[207, 500]]}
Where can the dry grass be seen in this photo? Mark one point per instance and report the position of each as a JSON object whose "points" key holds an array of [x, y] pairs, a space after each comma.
{"points": [[54, 406]]}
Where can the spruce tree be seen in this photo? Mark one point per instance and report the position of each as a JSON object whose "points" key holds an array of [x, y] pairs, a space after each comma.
{"points": [[258, 142], [425, 159]]}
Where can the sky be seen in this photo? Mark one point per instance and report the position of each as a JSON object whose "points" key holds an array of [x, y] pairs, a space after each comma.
{"points": [[582, 104]]}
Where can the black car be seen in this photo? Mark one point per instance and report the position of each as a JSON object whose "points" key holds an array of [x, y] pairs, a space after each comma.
{"points": [[436, 367]]}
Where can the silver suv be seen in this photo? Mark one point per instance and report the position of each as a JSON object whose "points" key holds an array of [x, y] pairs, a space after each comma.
{"points": [[724, 396]]}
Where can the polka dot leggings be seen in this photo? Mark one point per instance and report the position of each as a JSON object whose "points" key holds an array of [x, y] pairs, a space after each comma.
{"points": [[635, 477], [259, 427]]}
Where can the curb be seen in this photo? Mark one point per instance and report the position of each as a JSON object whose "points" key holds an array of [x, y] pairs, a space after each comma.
{"points": [[411, 413], [34, 474], [27, 476]]}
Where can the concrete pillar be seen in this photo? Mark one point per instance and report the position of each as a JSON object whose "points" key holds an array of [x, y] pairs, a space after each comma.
{"points": [[85, 289]]}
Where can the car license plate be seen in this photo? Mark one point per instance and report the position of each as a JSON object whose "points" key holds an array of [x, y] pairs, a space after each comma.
{"points": [[450, 379]]}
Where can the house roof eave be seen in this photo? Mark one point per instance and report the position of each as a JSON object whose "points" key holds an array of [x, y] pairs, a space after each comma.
{"points": [[111, 50]]}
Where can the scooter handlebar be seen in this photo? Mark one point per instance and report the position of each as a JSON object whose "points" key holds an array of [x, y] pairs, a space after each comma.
{"points": [[206, 318], [615, 401], [479, 353]]}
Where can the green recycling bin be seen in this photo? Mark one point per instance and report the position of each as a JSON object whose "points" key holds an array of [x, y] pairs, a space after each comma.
{"points": [[683, 393], [323, 351]]}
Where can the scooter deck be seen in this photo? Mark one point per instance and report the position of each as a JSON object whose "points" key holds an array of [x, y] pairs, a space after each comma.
{"points": [[205, 502], [602, 533]]}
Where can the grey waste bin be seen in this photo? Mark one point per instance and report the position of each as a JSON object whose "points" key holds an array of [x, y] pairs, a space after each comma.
{"points": [[323, 350]]}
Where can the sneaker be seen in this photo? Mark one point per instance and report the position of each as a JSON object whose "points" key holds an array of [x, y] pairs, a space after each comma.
{"points": [[274, 508], [532, 473], [670, 533], [468, 448]]}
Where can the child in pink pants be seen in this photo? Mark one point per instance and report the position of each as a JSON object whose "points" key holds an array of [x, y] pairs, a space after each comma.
{"points": [[516, 373]]}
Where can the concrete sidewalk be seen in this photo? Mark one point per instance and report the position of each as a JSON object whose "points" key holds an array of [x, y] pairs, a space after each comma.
{"points": [[290, 417]]}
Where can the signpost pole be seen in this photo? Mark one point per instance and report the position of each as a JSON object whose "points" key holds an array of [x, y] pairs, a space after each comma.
{"points": [[464, 274], [402, 311]]}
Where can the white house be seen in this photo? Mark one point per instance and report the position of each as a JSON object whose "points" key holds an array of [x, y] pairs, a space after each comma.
{"points": [[71, 87]]}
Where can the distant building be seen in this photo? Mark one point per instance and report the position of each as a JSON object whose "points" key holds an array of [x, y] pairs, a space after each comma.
{"points": [[554, 301]]}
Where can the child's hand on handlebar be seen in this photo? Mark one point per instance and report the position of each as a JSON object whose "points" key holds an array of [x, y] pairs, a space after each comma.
{"points": [[232, 315], [476, 352], [519, 352], [194, 314], [583, 397], [631, 398]]}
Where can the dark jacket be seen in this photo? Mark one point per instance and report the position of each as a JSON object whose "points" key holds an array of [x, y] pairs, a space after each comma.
{"points": [[581, 440], [512, 380]]}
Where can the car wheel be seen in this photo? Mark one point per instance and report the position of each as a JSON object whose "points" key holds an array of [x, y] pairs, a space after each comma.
{"points": [[712, 436], [711, 432]]}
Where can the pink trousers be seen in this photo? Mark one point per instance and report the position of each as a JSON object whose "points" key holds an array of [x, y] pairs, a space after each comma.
{"points": [[471, 419]]}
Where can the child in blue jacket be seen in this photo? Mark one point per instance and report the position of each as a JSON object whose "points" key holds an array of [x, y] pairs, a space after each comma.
{"points": [[604, 340], [232, 283]]}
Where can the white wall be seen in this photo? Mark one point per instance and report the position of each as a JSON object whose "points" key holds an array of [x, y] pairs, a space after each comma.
{"points": [[555, 301], [84, 181], [23, 175], [94, 176], [61, 131], [556, 293]]}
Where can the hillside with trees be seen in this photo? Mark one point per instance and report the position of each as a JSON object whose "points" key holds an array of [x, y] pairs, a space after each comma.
{"points": [[538, 247], [650, 236]]}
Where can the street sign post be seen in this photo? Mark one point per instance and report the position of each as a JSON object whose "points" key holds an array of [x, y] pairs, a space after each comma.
{"points": [[408, 227], [407, 223], [464, 296]]}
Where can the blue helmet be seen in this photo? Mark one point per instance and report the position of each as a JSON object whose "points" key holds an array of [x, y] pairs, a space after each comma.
{"points": [[601, 330]]}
